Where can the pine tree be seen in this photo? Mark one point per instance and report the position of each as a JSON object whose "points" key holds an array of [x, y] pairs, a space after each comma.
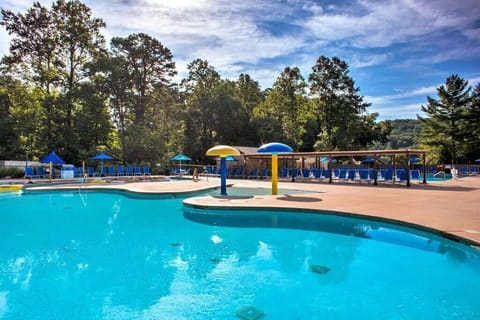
{"points": [[445, 125]]}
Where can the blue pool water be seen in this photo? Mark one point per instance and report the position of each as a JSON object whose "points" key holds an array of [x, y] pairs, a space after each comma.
{"points": [[110, 256]]}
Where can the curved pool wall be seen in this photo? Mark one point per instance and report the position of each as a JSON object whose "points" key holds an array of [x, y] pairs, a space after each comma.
{"points": [[338, 223]]}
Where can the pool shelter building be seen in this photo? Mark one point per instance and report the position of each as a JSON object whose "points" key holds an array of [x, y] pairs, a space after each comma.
{"points": [[295, 159]]}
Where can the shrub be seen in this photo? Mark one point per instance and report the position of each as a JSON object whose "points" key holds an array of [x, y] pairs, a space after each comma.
{"points": [[11, 172]]}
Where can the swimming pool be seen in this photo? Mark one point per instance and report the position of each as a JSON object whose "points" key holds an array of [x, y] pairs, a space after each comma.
{"points": [[93, 255]]}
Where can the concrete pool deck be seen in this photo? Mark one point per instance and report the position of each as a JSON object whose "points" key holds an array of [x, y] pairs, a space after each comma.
{"points": [[451, 207]]}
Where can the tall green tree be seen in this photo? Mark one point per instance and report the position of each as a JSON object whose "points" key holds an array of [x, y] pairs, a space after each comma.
{"points": [[341, 113], [20, 120], [280, 116], [33, 55], [51, 50], [200, 95], [139, 67], [445, 124], [472, 139]]}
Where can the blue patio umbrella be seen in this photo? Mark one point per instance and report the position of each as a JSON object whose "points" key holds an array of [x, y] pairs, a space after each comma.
{"points": [[101, 157], [181, 157], [274, 148], [53, 158], [478, 160]]}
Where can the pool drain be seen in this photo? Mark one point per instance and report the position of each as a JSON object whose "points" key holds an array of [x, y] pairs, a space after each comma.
{"points": [[250, 313], [319, 269]]}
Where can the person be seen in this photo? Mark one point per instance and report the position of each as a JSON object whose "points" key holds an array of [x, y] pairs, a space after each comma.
{"points": [[167, 171], [195, 174]]}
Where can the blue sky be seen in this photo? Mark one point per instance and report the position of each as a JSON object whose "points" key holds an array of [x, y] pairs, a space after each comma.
{"points": [[399, 51]]}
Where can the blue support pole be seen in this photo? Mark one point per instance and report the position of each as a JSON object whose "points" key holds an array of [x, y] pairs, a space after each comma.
{"points": [[223, 176]]}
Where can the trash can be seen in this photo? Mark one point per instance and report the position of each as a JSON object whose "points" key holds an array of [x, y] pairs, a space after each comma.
{"points": [[67, 171]]}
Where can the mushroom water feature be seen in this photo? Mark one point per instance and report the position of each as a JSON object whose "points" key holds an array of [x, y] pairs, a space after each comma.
{"points": [[223, 152], [274, 148]]}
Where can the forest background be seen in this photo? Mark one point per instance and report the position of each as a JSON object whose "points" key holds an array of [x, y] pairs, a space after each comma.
{"points": [[63, 89]]}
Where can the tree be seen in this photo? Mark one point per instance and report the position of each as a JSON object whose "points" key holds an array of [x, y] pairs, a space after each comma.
{"points": [[20, 120], [472, 138], [139, 67], [51, 50], [199, 92], [445, 123], [280, 116], [33, 50], [340, 110]]}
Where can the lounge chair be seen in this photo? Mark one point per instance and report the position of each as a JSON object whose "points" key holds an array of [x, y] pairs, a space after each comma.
{"points": [[91, 172], [253, 173], [415, 174], [400, 175], [239, 173], [29, 172], [112, 171], [130, 171], [41, 173], [121, 170], [78, 171], [351, 174], [146, 170]]}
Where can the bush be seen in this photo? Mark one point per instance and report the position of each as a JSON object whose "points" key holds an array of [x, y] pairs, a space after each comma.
{"points": [[11, 172]]}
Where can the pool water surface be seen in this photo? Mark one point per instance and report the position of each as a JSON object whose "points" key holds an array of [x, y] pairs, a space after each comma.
{"points": [[91, 255]]}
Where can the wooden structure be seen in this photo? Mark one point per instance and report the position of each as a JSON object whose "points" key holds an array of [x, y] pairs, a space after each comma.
{"points": [[331, 155]]}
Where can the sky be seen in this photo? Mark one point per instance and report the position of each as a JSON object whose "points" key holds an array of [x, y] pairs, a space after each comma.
{"points": [[398, 51]]}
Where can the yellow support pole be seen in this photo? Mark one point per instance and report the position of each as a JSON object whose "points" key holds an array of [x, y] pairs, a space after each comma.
{"points": [[274, 174]]}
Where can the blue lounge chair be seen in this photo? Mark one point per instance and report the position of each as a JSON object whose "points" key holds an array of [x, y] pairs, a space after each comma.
{"points": [[29, 172], [130, 171], [239, 173], [138, 171], [415, 174], [121, 170], [112, 171], [41, 173], [146, 170], [400, 175], [253, 173], [78, 171], [91, 172], [351, 174]]}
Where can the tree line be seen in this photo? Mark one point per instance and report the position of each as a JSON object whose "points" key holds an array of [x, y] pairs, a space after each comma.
{"points": [[63, 88]]}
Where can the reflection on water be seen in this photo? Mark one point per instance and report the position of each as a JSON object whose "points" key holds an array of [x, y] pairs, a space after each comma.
{"points": [[331, 223]]}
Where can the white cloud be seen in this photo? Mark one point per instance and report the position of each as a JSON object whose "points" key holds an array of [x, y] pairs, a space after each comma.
{"points": [[397, 111], [382, 23], [388, 99]]}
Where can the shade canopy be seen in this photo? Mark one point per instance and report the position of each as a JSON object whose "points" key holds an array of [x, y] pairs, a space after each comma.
{"points": [[478, 160], [102, 156], [229, 158], [53, 158], [274, 147], [222, 151], [180, 157]]}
